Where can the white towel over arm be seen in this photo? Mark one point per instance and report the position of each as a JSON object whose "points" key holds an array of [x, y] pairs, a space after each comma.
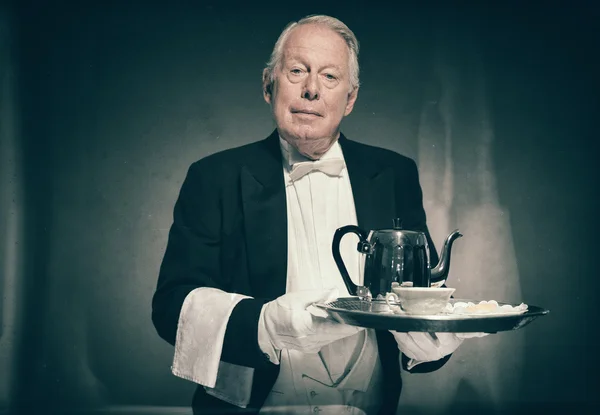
{"points": [[199, 343]]}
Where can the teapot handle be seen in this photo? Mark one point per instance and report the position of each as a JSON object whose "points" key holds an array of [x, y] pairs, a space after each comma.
{"points": [[335, 248]]}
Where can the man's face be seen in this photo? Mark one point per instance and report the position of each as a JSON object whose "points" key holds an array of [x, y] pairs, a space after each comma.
{"points": [[311, 92]]}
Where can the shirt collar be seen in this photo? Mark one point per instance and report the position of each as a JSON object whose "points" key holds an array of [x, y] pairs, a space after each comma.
{"points": [[291, 156]]}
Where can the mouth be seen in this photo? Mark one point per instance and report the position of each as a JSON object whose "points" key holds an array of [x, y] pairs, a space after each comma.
{"points": [[305, 112]]}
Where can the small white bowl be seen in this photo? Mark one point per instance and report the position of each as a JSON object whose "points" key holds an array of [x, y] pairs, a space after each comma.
{"points": [[421, 301]]}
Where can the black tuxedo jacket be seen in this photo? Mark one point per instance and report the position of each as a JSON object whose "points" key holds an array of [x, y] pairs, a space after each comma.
{"points": [[230, 232]]}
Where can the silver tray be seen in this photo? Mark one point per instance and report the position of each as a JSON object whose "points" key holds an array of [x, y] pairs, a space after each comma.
{"points": [[376, 315]]}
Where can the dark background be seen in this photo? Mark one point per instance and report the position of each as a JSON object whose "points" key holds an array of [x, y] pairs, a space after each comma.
{"points": [[105, 105]]}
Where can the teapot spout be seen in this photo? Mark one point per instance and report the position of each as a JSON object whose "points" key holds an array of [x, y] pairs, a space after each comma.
{"points": [[440, 271]]}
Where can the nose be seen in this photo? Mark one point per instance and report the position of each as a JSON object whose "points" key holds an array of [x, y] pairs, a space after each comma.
{"points": [[311, 90]]}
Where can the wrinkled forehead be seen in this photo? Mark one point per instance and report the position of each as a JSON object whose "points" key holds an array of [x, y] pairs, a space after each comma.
{"points": [[318, 41]]}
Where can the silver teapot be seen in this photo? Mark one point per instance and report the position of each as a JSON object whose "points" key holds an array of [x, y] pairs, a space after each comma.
{"points": [[392, 255]]}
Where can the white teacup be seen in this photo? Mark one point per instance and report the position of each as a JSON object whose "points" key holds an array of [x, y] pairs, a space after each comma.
{"points": [[421, 301]]}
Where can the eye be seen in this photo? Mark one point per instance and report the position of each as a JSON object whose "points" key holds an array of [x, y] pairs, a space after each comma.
{"points": [[295, 74], [330, 77]]}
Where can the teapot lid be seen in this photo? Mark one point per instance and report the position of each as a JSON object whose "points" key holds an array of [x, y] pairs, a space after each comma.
{"points": [[397, 227]]}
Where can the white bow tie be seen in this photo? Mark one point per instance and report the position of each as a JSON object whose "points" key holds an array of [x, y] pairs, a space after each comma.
{"points": [[331, 167]]}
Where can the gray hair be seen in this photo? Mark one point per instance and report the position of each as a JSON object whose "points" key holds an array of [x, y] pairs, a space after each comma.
{"points": [[330, 22]]}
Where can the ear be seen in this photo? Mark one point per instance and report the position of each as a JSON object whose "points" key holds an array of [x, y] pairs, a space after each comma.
{"points": [[267, 86], [352, 95]]}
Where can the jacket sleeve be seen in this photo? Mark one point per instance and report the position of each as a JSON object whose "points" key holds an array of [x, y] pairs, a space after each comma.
{"points": [[193, 259], [425, 367]]}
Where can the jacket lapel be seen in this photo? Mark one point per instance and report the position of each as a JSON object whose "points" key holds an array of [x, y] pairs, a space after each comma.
{"points": [[372, 187], [265, 220]]}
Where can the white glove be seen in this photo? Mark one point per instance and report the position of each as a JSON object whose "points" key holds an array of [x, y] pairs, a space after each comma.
{"points": [[290, 326], [428, 347]]}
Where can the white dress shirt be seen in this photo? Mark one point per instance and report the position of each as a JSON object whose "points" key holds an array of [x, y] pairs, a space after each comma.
{"points": [[345, 376]]}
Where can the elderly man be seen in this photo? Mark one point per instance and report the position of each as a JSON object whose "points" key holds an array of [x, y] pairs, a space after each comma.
{"points": [[250, 250]]}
